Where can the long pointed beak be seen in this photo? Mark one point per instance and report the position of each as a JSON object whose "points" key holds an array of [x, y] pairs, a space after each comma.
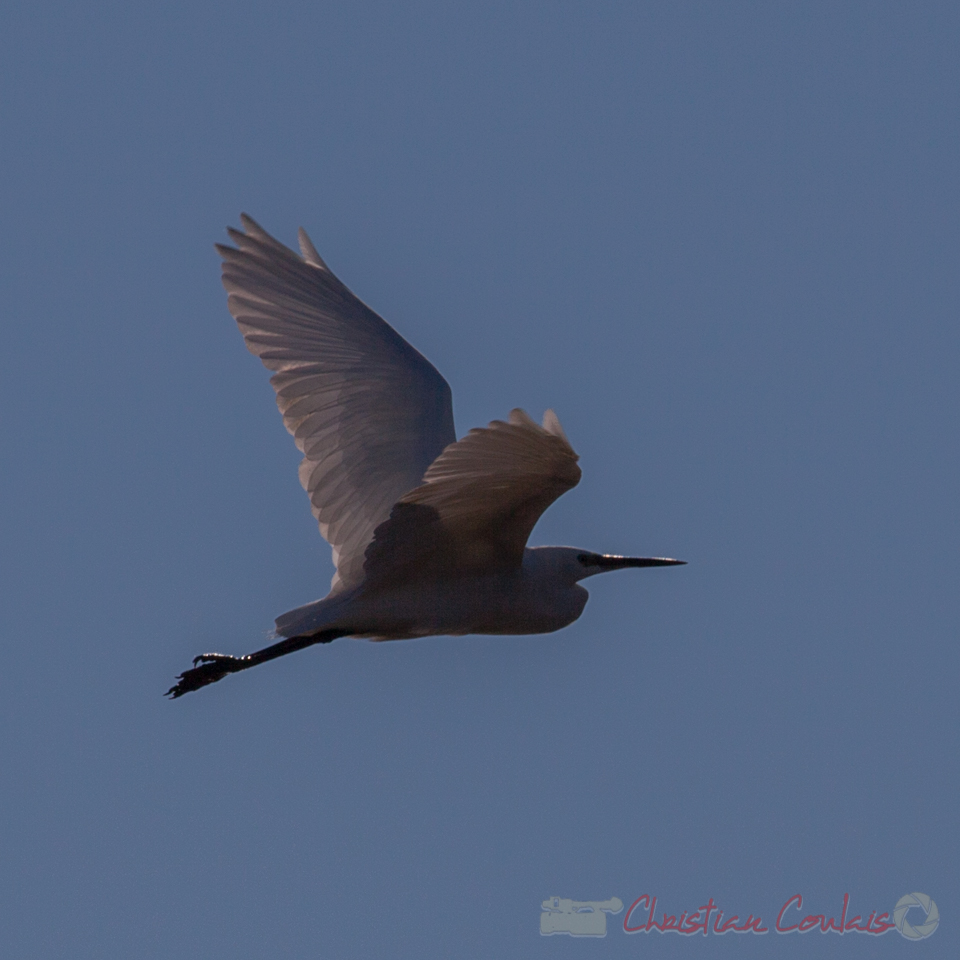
{"points": [[608, 562]]}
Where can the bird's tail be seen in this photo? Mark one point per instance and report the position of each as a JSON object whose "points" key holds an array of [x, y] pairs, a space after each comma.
{"points": [[310, 618]]}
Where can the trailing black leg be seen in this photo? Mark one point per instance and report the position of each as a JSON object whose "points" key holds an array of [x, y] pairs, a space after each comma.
{"points": [[210, 667]]}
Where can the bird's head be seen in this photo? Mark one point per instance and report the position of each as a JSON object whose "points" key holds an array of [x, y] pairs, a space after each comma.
{"points": [[571, 564]]}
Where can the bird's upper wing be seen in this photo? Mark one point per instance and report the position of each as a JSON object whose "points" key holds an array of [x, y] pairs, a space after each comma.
{"points": [[478, 503], [367, 411]]}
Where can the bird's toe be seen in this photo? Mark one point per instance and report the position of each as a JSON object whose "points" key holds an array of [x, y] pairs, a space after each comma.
{"points": [[215, 658], [208, 668]]}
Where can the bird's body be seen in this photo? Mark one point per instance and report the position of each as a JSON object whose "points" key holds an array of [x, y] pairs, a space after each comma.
{"points": [[531, 599], [428, 532]]}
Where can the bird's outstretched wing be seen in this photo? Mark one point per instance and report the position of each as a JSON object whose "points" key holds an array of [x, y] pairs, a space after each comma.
{"points": [[477, 505], [367, 411]]}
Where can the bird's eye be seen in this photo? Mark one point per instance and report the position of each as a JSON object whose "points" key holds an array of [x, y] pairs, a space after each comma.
{"points": [[587, 559]]}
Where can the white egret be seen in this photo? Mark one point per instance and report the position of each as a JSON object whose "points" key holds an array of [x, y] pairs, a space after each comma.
{"points": [[428, 532]]}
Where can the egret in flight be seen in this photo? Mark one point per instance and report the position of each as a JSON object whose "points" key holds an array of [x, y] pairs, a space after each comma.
{"points": [[429, 533]]}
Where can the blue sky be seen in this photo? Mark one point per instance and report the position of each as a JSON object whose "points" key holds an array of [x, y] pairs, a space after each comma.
{"points": [[719, 240]]}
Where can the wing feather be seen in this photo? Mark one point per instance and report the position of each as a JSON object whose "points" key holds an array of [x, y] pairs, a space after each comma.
{"points": [[368, 412]]}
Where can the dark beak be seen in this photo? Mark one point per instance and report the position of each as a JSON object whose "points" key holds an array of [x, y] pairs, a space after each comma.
{"points": [[608, 562]]}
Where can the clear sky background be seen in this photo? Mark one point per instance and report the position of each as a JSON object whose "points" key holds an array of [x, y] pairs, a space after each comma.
{"points": [[721, 240]]}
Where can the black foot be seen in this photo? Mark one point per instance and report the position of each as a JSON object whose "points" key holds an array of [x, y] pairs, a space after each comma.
{"points": [[213, 667]]}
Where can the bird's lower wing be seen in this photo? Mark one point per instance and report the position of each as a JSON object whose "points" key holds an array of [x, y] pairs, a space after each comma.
{"points": [[477, 505]]}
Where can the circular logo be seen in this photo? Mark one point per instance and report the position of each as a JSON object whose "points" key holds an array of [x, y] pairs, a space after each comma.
{"points": [[920, 930]]}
